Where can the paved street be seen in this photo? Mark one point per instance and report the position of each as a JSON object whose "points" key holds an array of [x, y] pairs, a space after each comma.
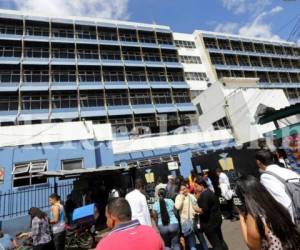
{"points": [[233, 236]]}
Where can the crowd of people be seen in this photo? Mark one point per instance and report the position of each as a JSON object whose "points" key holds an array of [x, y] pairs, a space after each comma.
{"points": [[187, 211], [187, 214], [47, 232]]}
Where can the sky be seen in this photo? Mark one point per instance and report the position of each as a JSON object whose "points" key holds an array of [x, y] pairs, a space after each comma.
{"points": [[271, 19]]}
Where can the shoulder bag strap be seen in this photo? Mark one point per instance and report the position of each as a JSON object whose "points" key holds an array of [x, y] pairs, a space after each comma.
{"points": [[276, 176]]}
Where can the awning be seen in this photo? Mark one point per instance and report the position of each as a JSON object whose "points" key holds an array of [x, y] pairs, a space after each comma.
{"points": [[280, 114], [84, 171], [93, 112], [34, 116]]}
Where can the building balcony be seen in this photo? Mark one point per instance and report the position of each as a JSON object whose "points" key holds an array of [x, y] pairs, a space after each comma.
{"points": [[98, 111], [13, 37], [277, 85], [134, 63], [36, 38], [57, 39], [179, 85], [115, 85], [186, 107], [119, 110], [159, 85], [143, 109], [63, 61], [165, 108], [64, 85], [254, 68], [90, 85], [9, 86], [232, 52], [138, 85], [35, 86], [108, 62], [8, 116], [33, 114], [173, 65], [10, 60], [36, 61], [64, 113], [88, 62]]}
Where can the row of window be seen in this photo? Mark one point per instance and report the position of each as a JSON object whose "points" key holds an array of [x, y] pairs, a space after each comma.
{"points": [[185, 44], [236, 45], [264, 77], [190, 59], [105, 53], [195, 76], [255, 61], [92, 76], [292, 93], [90, 33], [10, 103], [30, 173]]}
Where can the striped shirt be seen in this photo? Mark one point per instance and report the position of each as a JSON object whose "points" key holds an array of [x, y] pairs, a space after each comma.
{"points": [[40, 231]]}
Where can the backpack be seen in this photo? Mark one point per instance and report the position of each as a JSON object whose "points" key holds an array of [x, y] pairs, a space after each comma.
{"points": [[292, 189]]}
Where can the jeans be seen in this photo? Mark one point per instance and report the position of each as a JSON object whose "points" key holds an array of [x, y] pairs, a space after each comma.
{"points": [[200, 237], [170, 235], [191, 240], [215, 237], [59, 240]]}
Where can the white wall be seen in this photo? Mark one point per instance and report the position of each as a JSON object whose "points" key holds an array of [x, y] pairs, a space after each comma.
{"points": [[241, 109]]}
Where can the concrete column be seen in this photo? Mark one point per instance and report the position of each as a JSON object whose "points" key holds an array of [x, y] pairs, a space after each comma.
{"points": [[186, 165]]}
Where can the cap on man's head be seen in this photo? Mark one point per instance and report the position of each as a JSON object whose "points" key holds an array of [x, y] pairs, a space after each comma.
{"points": [[205, 170], [171, 177]]}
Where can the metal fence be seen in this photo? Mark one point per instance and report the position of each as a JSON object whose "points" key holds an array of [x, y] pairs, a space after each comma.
{"points": [[16, 203]]}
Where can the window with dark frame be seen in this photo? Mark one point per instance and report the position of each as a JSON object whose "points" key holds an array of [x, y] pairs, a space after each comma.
{"points": [[29, 173]]}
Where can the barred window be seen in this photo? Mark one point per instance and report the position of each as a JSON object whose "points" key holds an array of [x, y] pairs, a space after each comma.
{"points": [[196, 76], [190, 59], [29, 173], [185, 44]]}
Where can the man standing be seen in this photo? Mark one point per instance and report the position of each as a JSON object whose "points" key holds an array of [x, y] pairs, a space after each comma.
{"points": [[208, 180], [226, 192], [265, 162], [127, 234], [138, 204]]}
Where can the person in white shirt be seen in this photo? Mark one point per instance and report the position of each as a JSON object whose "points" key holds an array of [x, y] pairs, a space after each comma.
{"points": [[265, 162], [138, 204], [226, 193]]}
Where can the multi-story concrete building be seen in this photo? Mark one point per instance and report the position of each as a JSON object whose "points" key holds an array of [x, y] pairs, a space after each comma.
{"points": [[125, 73], [242, 75], [275, 63]]}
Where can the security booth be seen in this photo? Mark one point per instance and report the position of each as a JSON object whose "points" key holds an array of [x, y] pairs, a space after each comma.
{"points": [[93, 186]]}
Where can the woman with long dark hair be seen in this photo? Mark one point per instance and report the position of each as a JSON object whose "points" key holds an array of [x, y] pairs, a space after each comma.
{"points": [[40, 230], [167, 222], [265, 223]]}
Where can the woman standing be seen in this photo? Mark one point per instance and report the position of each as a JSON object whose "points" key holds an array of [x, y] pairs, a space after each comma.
{"points": [[265, 223], [57, 222], [40, 230], [167, 222], [210, 215], [184, 204]]}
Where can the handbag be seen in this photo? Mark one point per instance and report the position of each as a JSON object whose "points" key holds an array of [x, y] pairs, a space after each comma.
{"points": [[187, 226]]}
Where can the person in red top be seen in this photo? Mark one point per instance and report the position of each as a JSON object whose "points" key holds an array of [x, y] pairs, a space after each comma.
{"points": [[127, 234]]}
